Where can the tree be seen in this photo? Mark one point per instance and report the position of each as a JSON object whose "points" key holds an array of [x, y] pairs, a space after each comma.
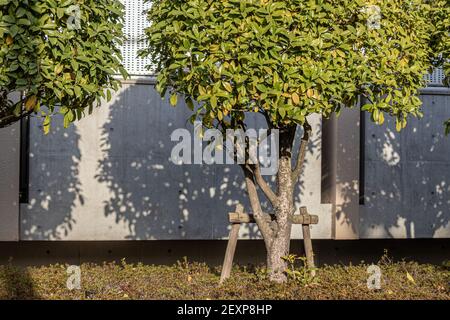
{"points": [[58, 54], [287, 60], [440, 38]]}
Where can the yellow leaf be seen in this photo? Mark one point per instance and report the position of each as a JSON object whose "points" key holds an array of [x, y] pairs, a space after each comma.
{"points": [[340, 53], [410, 278], [295, 98], [381, 118], [30, 103], [398, 126], [310, 93], [227, 86], [174, 100], [189, 279], [58, 69], [9, 40], [201, 90], [47, 125], [214, 48]]}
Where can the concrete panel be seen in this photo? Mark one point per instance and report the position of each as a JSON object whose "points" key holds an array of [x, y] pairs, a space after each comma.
{"points": [[109, 178], [407, 177], [382, 212], [9, 182], [346, 199]]}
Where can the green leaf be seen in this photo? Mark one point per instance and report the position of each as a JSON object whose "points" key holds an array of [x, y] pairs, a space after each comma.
{"points": [[213, 101]]}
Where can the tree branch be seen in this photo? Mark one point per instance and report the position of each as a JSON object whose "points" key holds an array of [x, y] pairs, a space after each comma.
{"points": [[302, 152], [263, 185], [263, 224]]}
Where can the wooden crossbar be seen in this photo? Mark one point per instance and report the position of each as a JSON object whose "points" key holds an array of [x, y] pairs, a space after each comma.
{"points": [[236, 217]]}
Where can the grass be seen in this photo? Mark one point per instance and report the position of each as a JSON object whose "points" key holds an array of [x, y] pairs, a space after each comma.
{"points": [[185, 280]]}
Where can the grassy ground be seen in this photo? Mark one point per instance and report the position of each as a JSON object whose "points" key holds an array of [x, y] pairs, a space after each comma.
{"points": [[400, 280]]}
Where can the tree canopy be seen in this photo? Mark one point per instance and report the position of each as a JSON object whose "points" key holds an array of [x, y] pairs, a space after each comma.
{"points": [[58, 54], [289, 59]]}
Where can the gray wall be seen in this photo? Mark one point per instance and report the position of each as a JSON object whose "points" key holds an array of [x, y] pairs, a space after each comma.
{"points": [[9, 182], [407, 176], [109, 178]]}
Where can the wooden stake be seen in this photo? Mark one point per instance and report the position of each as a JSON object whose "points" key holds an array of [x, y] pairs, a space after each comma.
{"points": [[308, 243], [231, 247]]}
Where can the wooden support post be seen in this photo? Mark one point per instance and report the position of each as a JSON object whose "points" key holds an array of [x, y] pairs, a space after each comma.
{"points": [[231, 247], [238, 217], [308, 243]]}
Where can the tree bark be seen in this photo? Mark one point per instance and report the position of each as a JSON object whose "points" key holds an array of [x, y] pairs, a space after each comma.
{"points": [[284, 208]]}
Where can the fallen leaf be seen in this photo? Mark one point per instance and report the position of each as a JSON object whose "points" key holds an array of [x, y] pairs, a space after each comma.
{"points": [[410, 278]]}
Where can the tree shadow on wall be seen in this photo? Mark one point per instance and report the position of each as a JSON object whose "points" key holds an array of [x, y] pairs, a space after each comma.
{"points": [[407, 177], [154, 197], [54, 188]]}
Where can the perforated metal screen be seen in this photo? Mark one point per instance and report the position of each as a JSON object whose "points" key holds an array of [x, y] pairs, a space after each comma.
{"points": [[136, 22], [436, 78]]}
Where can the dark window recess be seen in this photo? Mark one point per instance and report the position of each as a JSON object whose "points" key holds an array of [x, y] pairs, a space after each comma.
{"points": [[328, 158], [362, 156], [24, 160]]}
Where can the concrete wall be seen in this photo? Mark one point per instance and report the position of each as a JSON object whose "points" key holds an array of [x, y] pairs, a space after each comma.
{"points": [[109, 178], [9, 182], [407, 176]]}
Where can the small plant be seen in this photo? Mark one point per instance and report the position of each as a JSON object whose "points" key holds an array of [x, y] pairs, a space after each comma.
{"points": [[261, 273], [183, 265], [385, 259], [300, 274]]}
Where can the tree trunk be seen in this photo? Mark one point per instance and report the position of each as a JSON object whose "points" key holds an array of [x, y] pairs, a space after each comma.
{"points": [[284, 208], [277, 233]]}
